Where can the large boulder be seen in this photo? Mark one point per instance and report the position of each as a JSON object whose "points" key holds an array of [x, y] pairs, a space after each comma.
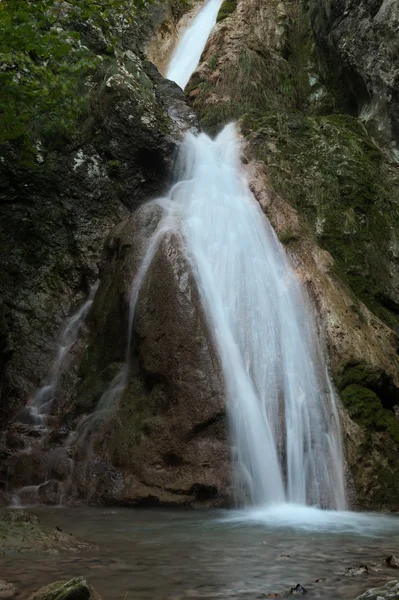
{"points": [[160, 438]]}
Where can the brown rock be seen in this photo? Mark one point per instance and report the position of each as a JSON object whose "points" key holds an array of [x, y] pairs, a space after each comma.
{"points": [[166, 442], [7, 590]]}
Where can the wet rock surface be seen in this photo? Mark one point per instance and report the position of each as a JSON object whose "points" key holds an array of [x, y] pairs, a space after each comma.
{"points": [[390, 591], [75, 589], [56, 211], [298, 590], [7, 590], [354, 571], [165, 440], [21, 533], [360, 48]]}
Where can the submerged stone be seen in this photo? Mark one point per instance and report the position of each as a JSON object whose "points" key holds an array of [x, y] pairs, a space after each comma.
{"points": [[352, 571], [392, 562], [7, 590], [21, 533], [298, 590]]}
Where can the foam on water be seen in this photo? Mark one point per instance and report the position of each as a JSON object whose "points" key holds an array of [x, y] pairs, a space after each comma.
{"points": [[312, 519]]}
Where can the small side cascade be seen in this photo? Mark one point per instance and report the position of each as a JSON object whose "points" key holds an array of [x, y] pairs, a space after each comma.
{"points": [[31, 427], [39, 408]]}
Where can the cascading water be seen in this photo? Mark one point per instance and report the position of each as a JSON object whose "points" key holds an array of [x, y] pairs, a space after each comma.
{"points": [[284, 421], [192, 43], [39, 408]]}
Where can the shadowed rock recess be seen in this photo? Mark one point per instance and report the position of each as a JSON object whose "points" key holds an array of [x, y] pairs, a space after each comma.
{"points": [[314, 88]]}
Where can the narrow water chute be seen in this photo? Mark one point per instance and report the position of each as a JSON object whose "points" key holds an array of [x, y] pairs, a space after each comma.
{"points": [[188, 52]]}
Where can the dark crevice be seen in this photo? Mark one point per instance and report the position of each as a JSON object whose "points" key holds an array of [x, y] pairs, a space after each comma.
{"points": [[200, 427]]}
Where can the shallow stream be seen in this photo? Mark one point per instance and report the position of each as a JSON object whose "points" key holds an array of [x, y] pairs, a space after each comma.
{"points": [[168, 555]]}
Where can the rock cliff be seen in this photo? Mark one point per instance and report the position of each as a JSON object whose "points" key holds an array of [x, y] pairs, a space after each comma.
{"points": [[313, 85]]}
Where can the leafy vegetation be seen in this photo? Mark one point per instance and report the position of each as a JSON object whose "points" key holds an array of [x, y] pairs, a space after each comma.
{"points": [[43, 62]]}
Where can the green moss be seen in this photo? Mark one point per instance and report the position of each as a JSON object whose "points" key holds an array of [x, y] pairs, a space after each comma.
{"points": [[329, 169], [226, 9], [369, 396], [364, 375], [286, 236], [213, 62], [113, 168], [75, 589], [140, 412]]}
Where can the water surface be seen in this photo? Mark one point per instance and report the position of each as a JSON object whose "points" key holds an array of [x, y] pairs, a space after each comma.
{"points": [[168, 555]]}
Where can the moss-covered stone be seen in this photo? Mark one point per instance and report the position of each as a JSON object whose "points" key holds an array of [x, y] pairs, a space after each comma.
{"points": [[226, 9], [364, 407], [21, 533], [74, 589]]}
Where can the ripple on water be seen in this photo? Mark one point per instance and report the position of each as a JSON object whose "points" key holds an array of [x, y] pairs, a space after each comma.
{"points": [[170, 555]]}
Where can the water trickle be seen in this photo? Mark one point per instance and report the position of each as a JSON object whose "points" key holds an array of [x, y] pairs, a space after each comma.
{"points": [[192, 43], [284, 420], [39, 408]]}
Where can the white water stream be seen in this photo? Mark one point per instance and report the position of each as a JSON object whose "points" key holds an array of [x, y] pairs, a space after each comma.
{"points": [[284, 421], [188, 52]]}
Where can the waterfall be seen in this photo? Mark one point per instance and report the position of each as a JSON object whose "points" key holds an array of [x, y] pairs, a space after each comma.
{"points": [[284, 420], [285, 429], [192, 43]]}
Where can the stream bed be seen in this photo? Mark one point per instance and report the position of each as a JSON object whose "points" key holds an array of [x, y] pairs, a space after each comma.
{"points": [[168, 555]]}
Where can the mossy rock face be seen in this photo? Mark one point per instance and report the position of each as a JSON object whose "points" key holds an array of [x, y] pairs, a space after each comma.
{"points": [[324, 164], [74, 589], [369, 397], [226, 9], [364, 407], [345, 189]]}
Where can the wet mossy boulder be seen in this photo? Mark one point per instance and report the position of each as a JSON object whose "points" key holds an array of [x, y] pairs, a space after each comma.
{"points": [[74, 589], [226, 9], [389, 591], [21, 533], [370, 398]]}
